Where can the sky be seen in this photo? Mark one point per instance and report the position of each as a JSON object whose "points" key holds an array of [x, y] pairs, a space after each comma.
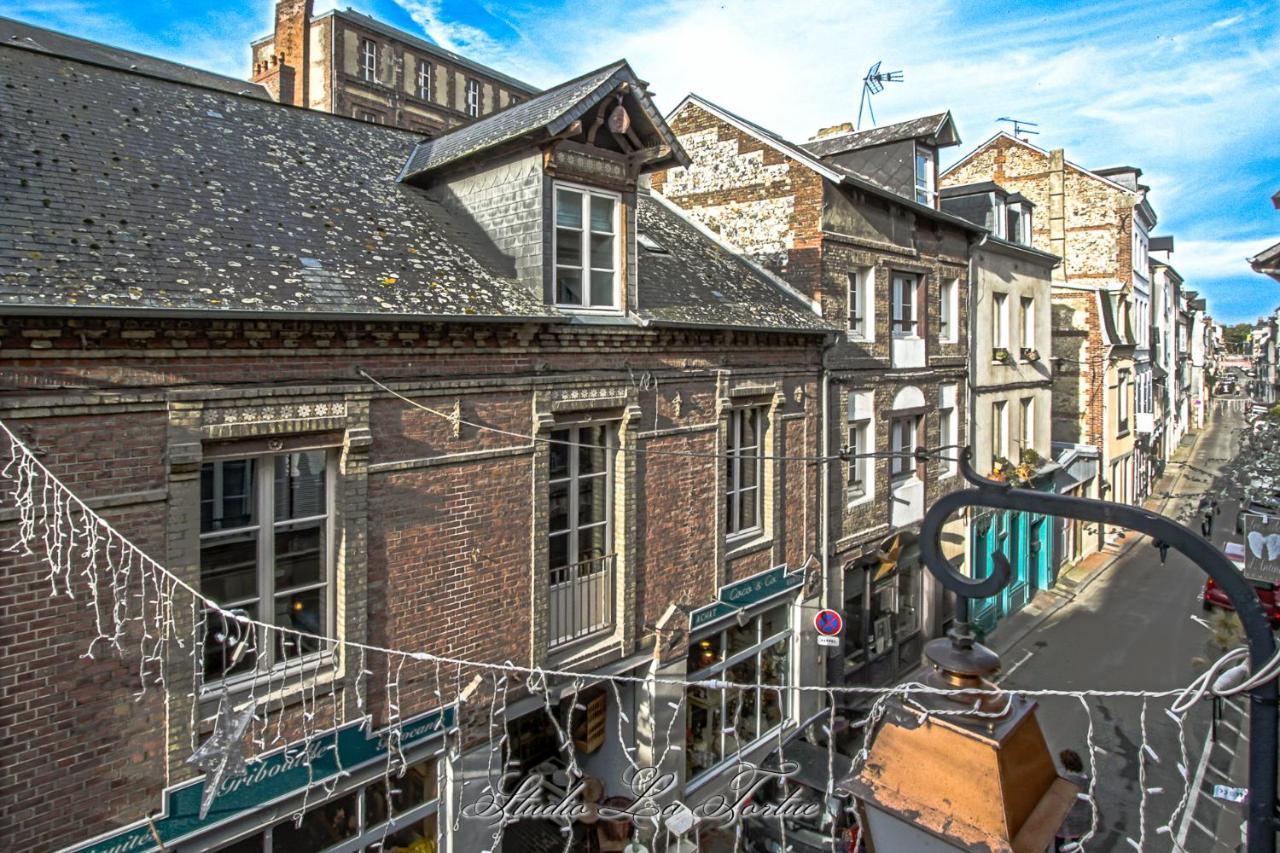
{"points": [[1187, 91]]}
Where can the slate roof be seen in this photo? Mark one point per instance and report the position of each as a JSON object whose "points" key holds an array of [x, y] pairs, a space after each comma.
{"points": [[552, 111], [18, 34], [122, 193], [703, 283], [916, 128], [980, 187]]}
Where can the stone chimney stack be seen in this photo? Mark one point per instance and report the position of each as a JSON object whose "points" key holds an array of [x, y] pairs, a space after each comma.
{"points": [[292, 46]]}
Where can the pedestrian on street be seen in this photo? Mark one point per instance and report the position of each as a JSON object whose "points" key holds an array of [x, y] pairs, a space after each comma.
{"points": [[1208, 509], [1079, 819]]}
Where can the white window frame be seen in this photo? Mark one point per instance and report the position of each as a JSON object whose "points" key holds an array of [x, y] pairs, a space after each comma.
{"points": [[426, 79], [473, 97], [266, 524], [1122, 403], [904, 467], [926, 190], [369, 60], [1028, 304], [1000, 430], [949, 427], [1000, 320], [586, 270], [905, 316], [948, 311], [1028, 405], [738, 457], [862, 439]]}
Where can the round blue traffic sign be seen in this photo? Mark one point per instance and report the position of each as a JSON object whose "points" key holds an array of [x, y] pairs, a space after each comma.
{"points": [[828, 623]]}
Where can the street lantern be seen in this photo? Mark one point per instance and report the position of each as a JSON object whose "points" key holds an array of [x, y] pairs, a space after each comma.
{"points": [[962, 770]]}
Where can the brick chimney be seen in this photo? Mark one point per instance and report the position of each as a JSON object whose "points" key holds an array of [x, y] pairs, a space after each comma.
{"points": [[843, 127], [293, 21]]}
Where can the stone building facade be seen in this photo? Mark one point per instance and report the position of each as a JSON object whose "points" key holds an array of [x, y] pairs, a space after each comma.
{"points": [[1089, 221], [348, 63], [893, 274], [611, 469]]}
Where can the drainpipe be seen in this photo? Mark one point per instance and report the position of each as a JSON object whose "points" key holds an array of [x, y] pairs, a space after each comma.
{"points": [[970, 396], [834, 663]]}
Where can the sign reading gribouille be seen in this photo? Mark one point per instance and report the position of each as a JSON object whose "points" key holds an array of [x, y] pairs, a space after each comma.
{"points": [[270, 777]]}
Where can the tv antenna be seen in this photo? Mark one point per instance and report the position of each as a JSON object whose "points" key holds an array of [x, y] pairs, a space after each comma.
{"points": [[873, 84], [1020, 126]]}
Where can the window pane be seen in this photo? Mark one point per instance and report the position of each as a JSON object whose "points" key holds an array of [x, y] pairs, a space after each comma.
{"points": [[742, 704], [602, 251], [602, 288], [704, 653], [558, 507], [418, 836], [569, 209], [226, 495], [299, 555], [593, 499], [560, 453], [773, 622], [568, 287], [568, 247], [747, 510], [706, 720], [229, 646], [593, 543], [300, 611], [229, 567], [601, 214], [742, 638], [750, 424], [750, 472], [322, 826], [591, 451], [299, 487]]}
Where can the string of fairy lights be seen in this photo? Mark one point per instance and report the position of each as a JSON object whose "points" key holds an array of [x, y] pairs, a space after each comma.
{"points": [[142, 609]]}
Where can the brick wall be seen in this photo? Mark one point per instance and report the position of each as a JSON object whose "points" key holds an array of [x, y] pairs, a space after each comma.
{"points": [[452, 520]]}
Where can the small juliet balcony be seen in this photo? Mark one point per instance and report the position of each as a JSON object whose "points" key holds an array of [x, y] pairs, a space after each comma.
{"points": [[581, 599]]}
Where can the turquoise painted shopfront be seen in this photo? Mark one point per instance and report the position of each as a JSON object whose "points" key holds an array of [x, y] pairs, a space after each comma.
{"points": [[1026, 540]]}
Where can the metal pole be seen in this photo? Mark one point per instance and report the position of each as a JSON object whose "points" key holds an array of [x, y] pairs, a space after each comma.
{"points": [[1261, 833]]}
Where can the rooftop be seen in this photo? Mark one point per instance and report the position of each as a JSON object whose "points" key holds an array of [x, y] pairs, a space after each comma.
{"points": [[938, 130]]}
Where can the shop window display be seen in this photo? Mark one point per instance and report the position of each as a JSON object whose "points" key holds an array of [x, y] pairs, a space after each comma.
{"points": [[724, 721]]}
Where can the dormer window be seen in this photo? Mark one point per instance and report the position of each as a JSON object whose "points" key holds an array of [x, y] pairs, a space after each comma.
{"points": [[586, 249], [925, 183], [1018, 224]]}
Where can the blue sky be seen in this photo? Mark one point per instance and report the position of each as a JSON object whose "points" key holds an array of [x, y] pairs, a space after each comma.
{"points": [[1187, 91]]}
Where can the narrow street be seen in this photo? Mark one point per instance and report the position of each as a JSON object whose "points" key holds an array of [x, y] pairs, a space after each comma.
{"points": [[1139, 625]]}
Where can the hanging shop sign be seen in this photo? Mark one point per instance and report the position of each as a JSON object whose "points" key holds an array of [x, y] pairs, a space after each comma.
{"points": [[1262, 548], [268, 779], [746, 592]]}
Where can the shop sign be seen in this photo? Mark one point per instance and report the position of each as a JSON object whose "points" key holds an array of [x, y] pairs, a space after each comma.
{"points": [[270, 777], [746, 592], [1262, 548]]}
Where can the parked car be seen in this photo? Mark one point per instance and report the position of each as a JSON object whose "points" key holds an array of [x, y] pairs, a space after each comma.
{"points": [[1268, 596]]}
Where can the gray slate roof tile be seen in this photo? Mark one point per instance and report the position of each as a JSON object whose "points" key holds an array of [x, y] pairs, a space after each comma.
{"points": [[911, 129]]}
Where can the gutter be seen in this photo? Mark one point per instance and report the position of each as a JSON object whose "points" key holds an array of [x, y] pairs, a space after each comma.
{"points": [[82, 311]]}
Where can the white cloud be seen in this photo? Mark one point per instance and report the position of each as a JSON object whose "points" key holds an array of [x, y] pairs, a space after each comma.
{"points": [[1216, 259]]}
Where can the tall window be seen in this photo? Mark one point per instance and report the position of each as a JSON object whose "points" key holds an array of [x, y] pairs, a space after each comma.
{"points": [[1028, 323], [722, 721], [1122, 403], [265, 552], [902, 441], [949, 426], [948, 322], [904, 305], [924, 176], [1028, 424], [473, 98], [369, 60], [856, 296], [425, 70], [1000, 430], [586, 248], [861, 440], [1000, 320], [744, 470], [580, 530]]}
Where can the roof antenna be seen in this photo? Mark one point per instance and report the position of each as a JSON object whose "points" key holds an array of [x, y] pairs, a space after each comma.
{"points": [[873, 84], [1020, 127]]}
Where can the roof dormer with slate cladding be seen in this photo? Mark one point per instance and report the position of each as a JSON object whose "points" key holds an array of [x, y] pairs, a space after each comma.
{"points": [[553, 184]]}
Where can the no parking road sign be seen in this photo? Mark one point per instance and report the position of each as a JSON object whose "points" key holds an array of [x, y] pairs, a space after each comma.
{"points": [[828, 624]]}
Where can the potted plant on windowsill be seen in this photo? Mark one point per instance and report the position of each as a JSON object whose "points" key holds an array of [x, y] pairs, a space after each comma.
{"points": [[1030, 354], [1000, 355]]}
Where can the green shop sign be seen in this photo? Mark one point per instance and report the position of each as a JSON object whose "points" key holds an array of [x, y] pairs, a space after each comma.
{"points": [[746, 592], [270, 778]]}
